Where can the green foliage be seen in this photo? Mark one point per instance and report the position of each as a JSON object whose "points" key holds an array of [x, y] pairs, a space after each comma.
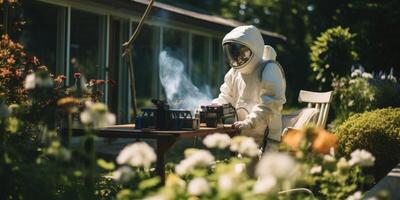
{"points": [[362, 92], [333, 54], [377, 131]]}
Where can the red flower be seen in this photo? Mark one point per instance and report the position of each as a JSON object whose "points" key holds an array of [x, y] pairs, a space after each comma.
{"points": [[77, 75]]}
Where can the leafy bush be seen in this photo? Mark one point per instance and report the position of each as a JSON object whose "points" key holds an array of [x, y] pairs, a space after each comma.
{"points": [[377, 131], [333, 53], [364, 91]]}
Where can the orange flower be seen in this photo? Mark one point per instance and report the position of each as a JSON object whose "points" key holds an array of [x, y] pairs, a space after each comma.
{"points": [[11, 60], [4, 72], [293, 138], [60, 79], [69, 104], [324, 141]]}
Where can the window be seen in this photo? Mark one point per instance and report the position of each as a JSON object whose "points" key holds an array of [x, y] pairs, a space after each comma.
{"points": [[86, 46], [117, 70], [200, 61], [39, 35], [176, 42], [219, 68], [145, 62]]}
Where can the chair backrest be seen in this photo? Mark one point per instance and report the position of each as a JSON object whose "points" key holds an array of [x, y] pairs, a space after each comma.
{"points": [[320, 101]]}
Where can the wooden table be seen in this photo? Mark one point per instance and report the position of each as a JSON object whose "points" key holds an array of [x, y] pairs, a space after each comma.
{"points": [[165, 139]]}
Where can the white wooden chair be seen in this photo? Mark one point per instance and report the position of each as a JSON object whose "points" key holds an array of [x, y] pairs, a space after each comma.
{"points": [[316, 112], [320, 101]]}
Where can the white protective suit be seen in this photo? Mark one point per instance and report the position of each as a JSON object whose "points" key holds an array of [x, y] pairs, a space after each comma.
{"points": [[257, 89]]}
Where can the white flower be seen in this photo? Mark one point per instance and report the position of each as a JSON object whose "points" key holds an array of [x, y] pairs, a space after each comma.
{"points": [[356, 196], [226, 183], [97, 114], [156, 197], [217, 140], [264, 185], [362, 158], [316, 169], [245, 145], [137, 154], [123, 174], [32, 81], [367, 75], [356, 73], [199, 158], [198, 186], [279, 165]]}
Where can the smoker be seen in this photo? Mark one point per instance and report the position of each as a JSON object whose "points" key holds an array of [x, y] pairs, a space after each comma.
{"points": [[213, 114], [163, 118]]}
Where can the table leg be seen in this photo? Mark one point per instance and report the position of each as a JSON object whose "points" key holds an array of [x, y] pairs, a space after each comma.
{"points": [[163, 145]]}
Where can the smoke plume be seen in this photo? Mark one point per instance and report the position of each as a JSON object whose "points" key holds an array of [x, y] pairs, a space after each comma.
{"points": [[180, 91]]}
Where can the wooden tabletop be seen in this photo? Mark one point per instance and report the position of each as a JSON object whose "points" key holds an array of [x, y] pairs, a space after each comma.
{"points": [[129, 131]]}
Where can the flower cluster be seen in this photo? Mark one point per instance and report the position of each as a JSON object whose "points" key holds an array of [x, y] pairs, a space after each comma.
{"points": [[362, 158], [363, 91], [245, 146], [217, 140], [97, 115], [138, 154], [195, 158], [33, 81]]}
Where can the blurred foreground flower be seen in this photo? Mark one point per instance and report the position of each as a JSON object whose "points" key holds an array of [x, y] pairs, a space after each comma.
{"points": [[265, 185], [97, 115], [123, 174], [356, 196], [245, 146], [34, 80], [279, 165], [69, 103], [138, 154], [198, 187], [196, 158], [321, 140], [217, 140]]}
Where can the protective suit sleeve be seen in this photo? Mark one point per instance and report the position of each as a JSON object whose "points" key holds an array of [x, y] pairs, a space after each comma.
{"points": [[272, 94], [226, 93]]}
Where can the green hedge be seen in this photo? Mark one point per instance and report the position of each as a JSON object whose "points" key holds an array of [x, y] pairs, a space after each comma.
{"points": [[377, 131]]}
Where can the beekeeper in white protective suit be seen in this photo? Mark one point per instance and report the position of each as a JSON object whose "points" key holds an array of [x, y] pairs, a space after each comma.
{"points": [[255, 85]]}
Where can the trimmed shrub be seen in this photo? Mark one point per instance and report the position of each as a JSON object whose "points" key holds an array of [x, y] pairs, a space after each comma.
{"points": [[378, 132], [333, 53]]}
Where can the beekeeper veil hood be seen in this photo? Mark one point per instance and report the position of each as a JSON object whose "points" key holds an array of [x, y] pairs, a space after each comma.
{"points": [[243, 48]]}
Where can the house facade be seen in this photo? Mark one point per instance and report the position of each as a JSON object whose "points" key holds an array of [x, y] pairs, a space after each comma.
{"points": [[86, 36]]}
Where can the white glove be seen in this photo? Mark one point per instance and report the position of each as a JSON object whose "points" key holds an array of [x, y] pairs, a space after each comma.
{"points": [[241, 125]]}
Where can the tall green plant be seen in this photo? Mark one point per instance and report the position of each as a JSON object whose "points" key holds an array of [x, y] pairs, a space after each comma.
{"points": [[332, 54]]}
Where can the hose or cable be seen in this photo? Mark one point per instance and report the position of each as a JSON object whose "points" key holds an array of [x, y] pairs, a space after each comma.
{"points": [[305, 190]]}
